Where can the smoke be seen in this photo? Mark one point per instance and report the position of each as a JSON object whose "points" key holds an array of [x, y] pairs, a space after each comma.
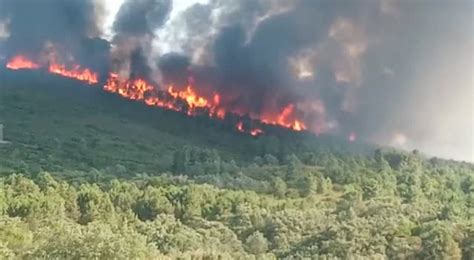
{"points": [[392, 71], [173, 66], [141, 17], [417, 79], [31, 24], [252, 49], [363, 66], [134, 28]]}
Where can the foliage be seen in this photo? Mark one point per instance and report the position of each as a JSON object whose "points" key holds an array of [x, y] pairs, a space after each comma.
{"points": [[111, 184], [387, 213]]}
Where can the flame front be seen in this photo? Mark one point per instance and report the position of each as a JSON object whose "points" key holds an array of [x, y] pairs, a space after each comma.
{"points": [[187, 101], [21, 62], [139, 89], [133, 89], [76, 73], [253, 132], [86, 75], [286, 119]]}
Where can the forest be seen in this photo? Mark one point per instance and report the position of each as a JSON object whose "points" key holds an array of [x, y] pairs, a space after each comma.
{"points": [[89, 176]]}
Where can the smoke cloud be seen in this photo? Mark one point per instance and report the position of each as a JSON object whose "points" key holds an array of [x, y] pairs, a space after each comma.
{"points": [[394, 72], [141, 17], [134, 27], [31, 24], [363, 66]]}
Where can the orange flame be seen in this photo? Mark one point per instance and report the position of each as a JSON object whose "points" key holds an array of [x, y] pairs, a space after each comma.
{"points": [[173, 99], [75, 73], [252, 132], [286, 119], [221, 113], [21, 62], [130, 89], [192, 99], [240, 126], [256, 132], [139, 89]]}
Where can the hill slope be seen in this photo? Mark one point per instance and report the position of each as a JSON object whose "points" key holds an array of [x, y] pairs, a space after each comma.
{"points": [[57, 121], [209, 192]]}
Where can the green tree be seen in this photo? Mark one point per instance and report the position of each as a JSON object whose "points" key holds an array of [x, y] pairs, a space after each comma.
{"points": [[306, 185], [370, 188], [256, 243], [152, 203], [279, 187], [438, 242], [294, 166], [94, 204], [270, 160]]}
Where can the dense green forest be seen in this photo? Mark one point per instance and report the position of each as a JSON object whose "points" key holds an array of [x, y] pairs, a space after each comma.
{"points": [[88, 175]]}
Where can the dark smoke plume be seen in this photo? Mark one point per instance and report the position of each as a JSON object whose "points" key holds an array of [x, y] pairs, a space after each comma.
{"points": [[31, 24], [174, 67], [352, 66], [394, 72], [134, 28], [141, 17], [138, 65]]}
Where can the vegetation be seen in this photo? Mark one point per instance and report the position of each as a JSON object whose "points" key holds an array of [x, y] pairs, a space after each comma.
{"points": [[84, 180]]}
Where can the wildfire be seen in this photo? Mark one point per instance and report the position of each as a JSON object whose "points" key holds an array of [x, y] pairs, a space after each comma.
{"points": [[76, 73], [286, 119], [253, 132], [21, 62], [187, 100], [192, 99], [240, 126], [130, 89], [256, 131], [139, 89], [216, 110], [86, 75]]}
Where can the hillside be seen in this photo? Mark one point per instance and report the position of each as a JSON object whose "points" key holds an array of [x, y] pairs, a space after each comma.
{"points": [[90, 175], [54, 122]]}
